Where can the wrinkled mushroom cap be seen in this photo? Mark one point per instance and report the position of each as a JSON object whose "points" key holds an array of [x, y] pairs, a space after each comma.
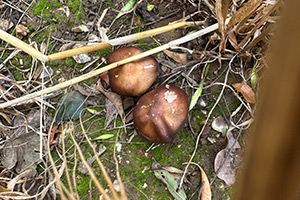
{"points": [[134, 78], [160, 113]]}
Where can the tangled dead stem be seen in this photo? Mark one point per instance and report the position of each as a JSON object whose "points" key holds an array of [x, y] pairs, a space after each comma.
{"points": [[40, 159]]}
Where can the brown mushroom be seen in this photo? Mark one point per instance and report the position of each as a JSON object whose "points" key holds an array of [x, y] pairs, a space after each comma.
{"points": [[160, 113], [134, 78]]}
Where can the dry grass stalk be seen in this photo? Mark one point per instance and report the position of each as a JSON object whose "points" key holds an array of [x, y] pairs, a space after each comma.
{"points": [[111, 66], [85, 49]]}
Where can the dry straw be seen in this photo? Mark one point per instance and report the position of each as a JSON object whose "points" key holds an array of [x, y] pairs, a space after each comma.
{"points": [[33, 52]]}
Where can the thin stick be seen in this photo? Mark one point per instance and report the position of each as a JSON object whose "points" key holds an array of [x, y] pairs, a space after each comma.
{"points": [[111, 66]]}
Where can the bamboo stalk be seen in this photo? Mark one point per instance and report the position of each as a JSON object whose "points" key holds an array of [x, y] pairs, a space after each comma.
{"points": [[111, 66], [89, 48], [119, 41], [77, 51]]}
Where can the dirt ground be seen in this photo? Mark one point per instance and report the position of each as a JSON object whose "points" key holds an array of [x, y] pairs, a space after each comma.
{"points": [[56, 25]]}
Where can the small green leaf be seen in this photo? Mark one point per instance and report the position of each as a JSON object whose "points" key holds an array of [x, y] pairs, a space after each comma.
{"points": [[149, 6], [198, 92], [191, 32], [103, 137], [92, 110], [127, 7]]}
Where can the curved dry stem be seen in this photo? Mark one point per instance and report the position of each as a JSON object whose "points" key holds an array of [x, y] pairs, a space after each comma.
{"points": [[108, 180], [91, 173], [65, 162], [122, 189]]}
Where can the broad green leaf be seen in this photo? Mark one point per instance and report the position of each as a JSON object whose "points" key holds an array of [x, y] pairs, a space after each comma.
{"points": [[127, 7], [169, 180], [103, 137], [198, 92]]}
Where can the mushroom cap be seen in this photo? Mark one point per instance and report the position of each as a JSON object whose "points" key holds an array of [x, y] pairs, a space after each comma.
{"points": [[134, 78], [160, 113]]}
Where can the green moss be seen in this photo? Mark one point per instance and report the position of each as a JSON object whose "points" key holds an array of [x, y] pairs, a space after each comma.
{"points": [[103, 52], [69, 62], [42, 7], [31, 27], [163, 195], [18, 75], [48, 9], [76, 8], [83, 185], [57, 4], [196, 119], [59, 16], [229, 191]]}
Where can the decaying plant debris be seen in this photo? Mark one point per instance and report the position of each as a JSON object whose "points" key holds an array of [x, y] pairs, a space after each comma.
{"points": [[234, 54]]}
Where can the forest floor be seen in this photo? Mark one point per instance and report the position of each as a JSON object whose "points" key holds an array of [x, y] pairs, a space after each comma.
{"points": [[229, 79]]}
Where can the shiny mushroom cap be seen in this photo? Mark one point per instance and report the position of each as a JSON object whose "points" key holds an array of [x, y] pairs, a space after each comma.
{"points": [[160, 113], [134, 78]]}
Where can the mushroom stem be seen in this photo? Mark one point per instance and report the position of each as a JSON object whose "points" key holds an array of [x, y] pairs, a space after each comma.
{"points": [[108, 67]]}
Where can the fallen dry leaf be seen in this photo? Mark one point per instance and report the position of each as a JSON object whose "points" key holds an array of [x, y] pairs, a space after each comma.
{"points": [[43, 47], [80, 28], [66, 46], [206, 190], [232, 39], [41, 72], [173, 170], [244, 12], [265, 17], [227, 161], [21, 30], [221, 13], [114, 98], [66, 10], [52, 139], [111, 112], [180, 58], [32, 119], [22, 153], [246, 91]]}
